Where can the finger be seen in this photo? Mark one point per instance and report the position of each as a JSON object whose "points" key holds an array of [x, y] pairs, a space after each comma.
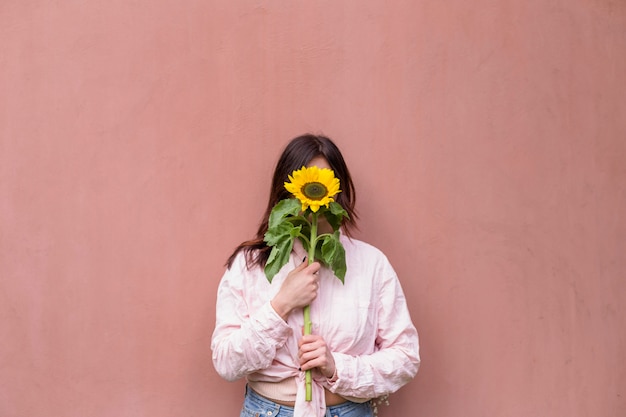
{"points": [[313, 268], [312, 360], [309, 364], [300, 267], [308, 357], [307, 348], [313, 350], [309, 338]]}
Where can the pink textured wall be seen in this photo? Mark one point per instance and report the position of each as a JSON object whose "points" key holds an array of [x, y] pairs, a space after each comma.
{"points": [[488, 142]]}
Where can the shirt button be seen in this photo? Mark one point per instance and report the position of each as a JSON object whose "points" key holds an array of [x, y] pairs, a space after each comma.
{"points": [[269, 413]]}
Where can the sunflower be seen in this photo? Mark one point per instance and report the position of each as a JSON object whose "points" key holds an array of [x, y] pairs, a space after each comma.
{"points": [[313, 186]]}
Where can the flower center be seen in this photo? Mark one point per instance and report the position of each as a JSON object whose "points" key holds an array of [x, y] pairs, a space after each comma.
{"points": [[314, 190]]}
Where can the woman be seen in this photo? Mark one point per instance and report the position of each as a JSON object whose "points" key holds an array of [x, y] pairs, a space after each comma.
{"points": [[364, 345]]}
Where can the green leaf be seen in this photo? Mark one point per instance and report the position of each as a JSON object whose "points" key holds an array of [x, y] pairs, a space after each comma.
{"points": [[336, 209], [280, 238], [279, 256], [301, 222], [283, 209], [333, 254], [281, 231], [335, 214]]}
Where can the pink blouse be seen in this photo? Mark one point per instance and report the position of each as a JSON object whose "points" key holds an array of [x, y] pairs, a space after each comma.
{"points": [[365, 323]]}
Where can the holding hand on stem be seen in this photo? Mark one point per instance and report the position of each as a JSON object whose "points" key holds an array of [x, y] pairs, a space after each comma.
{"points": [[298, 290], [314, 353]]}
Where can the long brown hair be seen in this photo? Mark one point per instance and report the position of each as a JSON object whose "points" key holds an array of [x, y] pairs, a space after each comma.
{"points": [[298, 153]]}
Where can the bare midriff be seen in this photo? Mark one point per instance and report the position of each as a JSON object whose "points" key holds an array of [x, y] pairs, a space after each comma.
{"points": [[331, 400]]}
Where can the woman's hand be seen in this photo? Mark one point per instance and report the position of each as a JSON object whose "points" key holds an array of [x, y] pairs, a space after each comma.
{"points": [[314, 353], [298, 290]]}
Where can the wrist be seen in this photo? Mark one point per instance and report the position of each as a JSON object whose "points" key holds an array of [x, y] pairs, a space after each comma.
{"points": [[280, 308], [331, 379]]}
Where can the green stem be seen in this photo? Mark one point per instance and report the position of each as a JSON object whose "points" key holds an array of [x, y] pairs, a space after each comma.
{"points": [[307, 309]]}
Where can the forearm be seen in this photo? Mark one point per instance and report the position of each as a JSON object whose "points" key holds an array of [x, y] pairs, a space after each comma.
{"points": [[240, 348], [370, 376]]}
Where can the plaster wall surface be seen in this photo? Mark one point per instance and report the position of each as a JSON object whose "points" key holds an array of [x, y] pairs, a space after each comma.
{"points": [[487, 140]]}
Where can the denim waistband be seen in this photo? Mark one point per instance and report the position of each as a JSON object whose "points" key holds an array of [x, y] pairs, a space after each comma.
{"points": [[334, 410]]}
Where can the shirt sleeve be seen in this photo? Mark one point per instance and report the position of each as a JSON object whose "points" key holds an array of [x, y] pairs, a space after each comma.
{"points": [[242, 342], [396, 359]]}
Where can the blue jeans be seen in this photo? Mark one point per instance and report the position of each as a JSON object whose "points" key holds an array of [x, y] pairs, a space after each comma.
{"points": [[255, 405]]}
